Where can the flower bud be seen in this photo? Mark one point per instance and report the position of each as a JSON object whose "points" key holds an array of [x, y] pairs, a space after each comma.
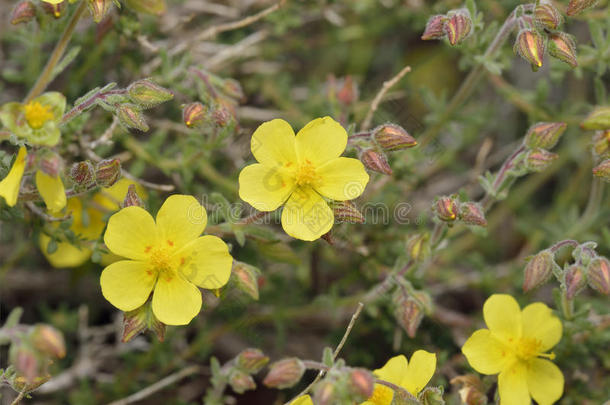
{"points": [[99, 9], [375, 161], [246, 278], [418, 246], [132, 199], [155, 7], [544, 135], [598, 275], [538, 160], [563, 47], [393, 137], [602, 170], [50, 163], [194, 114], [347, 94], [471, 213], [346, 211], [23, 12], [48, 340], [241, 382], [131, 116], [530, 46], [284, 373], [599, 118], [601, 143], [251, 360], [82, 174], [575, 280], [26, 363], [362, 383], [432, 396], [472, 391], [325, 393], [54, 9], [147, 93], [577, 6], [232, 88], [446, 209], [547, 16], [458, 26], [435, 27], [538, 270], [107, 172], [222, 117], [409, 315]]}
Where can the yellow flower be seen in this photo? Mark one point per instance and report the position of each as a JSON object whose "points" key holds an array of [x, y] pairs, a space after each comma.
{"points": [[53, 1], [515, 346], [301, 171], [165, 255], [302, 400], [51, 188], [412, 376]]}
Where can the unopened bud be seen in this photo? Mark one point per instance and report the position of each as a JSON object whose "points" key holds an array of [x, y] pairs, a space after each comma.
{"points": [[471, 213], [418, 246], [222, 117], [458, 26], [409, 315], [601, 143], [530, 46], [578, 6], [563, 47], [131, 116], [538, 160], [246, 278], [241, 382], [598, 275], [393, 137], [140, 320], [538, 270], [155, 7], [362, 383], [599, 118], [602, 170], [82, 174], [435, 27], [147, 93], [325, 393], [376, 161], [544, 135], [48, 340], [132, 199], [284, 373], [107, 172], [54, 9], [50, 163], [233, 89], [251, 360], [575, 280], [446, 209], [99, 9], [194, 114], [26, 363], [472, 396], [348, 92], [346, 211], [23, 12], [432, 396], [547, 16]]}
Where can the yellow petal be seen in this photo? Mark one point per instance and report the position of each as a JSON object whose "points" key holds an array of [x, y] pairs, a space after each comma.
{"points": [[66, 255], [175, 301], [539, 323], [207, 262], [51, 190], [485, 353], [342, 179], [264, 188], [53, 1], [382, 395], [180, 220], [393, 370], [306, 215], [302, 400], [273, 143], [419, 372], [503, 317], [9, 186], [131, 233], [127, 284], [545, 381], [321, 140], [512, 385]]}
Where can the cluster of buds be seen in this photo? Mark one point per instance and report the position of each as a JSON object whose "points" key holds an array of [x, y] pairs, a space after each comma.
{"points": [[599, 120], [588, 268], [449, 209], [539, 138], [384, 138], [456, 25]]}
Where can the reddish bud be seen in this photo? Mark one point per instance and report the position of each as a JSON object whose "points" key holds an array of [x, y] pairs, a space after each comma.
{"points": [[393, 137], [578, 6], [471, 213], [107, 172], [362, 382], [194, 114], [538, 160], [538, 270], [23, 12], [599, 118], [233, 89], [544, 135], [130, 115], [241, 382], [99, 9], [409, 315], [598, 275], [147, 93], [346, 211], [575, 280], [347, 93], [26, 363], [435, 27], [222, 117], [131, 198], [82, 174], [246, 278], [418, 246], [458, 26], [284, 373], [446, 209], [602, 170], [48, 340], [547, 16], [530, 46], [375, 161], [325, 393], [251, 360], [601, 143], [563, 47]]}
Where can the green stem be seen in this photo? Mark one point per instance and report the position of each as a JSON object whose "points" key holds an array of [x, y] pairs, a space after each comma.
{"points": [[567, 305], [47, 73]]}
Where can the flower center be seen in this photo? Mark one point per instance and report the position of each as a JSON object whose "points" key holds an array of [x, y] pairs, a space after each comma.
{"points": [[162, 261], [381, 395], [37, 114], [528, 348], [306, 174]]}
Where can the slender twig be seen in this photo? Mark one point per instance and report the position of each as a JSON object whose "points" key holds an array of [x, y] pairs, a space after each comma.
{"points": [[387, 85], [19, 398], [154, 186], [78, 109], [34, 208], [46, 75]]}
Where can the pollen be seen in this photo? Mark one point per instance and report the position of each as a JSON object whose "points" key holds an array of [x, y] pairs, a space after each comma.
{"points": [[381, 395], [528, 348], [37, 114], [306, 174]]}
